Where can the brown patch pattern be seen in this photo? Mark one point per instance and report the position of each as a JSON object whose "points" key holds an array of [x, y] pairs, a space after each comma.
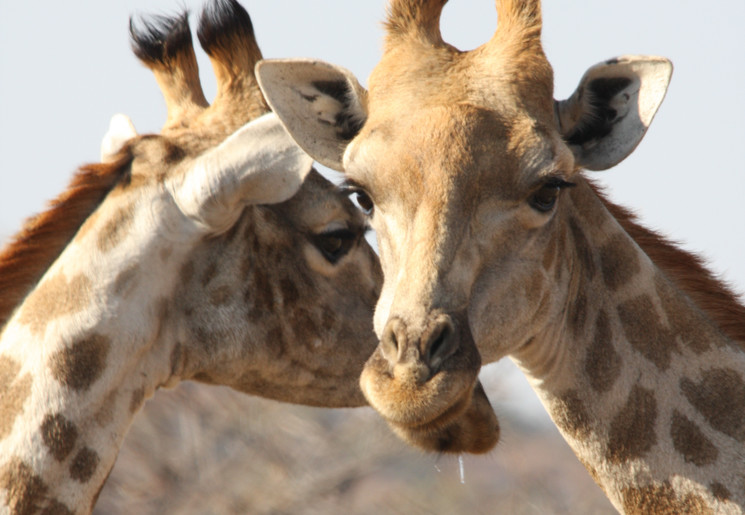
{"points": [[138, 397], [619, 262], [691, 442], [645, 332], [84, 465], [687, 272], [720, 398], [114, 230], [105, 414], [632, 431], [26, 492], [59, 435], [80, 365], [56, 508], [661, 500], [602, 362], [578, 314], [720, 492], [32, 250], [568, 411], [583, 249], [126, 280], [689, 329], [13, 393], [54, 298]]}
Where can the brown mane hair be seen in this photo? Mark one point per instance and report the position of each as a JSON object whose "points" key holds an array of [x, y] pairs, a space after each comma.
{"points": [[712, 295], [43, 237]]}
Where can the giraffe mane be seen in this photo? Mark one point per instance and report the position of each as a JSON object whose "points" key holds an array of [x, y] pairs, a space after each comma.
{"points": [[43, 237], [688, 271]]}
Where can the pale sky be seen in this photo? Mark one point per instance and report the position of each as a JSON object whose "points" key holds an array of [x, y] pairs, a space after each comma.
{"points": [[66, 68]]}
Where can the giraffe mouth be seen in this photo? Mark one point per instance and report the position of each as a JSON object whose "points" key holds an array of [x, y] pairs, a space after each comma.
{"points": [[434, 402], [469, 426]]}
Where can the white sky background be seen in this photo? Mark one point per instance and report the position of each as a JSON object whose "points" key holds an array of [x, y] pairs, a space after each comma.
{"points": [[66, 68]]}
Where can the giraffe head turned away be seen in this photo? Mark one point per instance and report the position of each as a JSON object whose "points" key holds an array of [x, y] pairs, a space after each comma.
{"points": [[209, 252], [494, 242]]}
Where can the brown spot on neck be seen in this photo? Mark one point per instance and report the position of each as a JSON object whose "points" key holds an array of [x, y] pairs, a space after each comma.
{"points": [[14, 391], [645, 332], [126, 281], [26, 492], [116, 228], [602, 362], [583, 250], [43, 238], [138, 398], [720, 492], [59, 435], [687, 272], [691, 442], [632, 431], [569, 413], [54, 298], [84, 465], [661, 500], [619, 262], [720, 398], [81, 364]]}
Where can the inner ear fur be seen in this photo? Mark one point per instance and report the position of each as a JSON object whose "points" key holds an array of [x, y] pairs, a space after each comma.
{"points": [[321, 105], [612, 108]]}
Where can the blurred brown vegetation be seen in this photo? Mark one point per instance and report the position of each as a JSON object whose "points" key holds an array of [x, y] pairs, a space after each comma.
{"points": [[209, 450]]}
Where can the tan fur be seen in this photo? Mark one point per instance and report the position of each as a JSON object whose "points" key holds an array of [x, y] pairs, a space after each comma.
{"points": [[490, 233], [118, 289], [710, 294], [30, 252]]}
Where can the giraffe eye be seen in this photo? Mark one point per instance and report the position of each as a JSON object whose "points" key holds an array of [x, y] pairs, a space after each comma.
{"points": [[335, 244], [544, 199], [364, 202]]}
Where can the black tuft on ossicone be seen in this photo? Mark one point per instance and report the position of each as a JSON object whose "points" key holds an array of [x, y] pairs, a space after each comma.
{"points": [[221, 22], [158, 39]]}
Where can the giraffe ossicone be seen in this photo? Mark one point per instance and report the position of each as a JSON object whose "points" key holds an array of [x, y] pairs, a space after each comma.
{"points": [[494, 241], [209, 252]]}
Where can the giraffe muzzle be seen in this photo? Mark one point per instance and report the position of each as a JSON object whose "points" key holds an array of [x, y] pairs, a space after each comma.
{"points": [[424, 382]]}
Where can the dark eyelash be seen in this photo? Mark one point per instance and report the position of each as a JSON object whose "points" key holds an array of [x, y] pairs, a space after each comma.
{"points": [[343, 234], [558, 182]]}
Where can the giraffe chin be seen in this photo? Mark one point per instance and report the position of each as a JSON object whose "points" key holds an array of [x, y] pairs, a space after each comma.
{"points": [[469, 426], [447, 412]]}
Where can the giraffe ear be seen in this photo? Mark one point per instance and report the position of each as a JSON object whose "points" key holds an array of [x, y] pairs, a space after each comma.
{"points": [[121, 130], [612, 108], [322, 106], [257, 164]]}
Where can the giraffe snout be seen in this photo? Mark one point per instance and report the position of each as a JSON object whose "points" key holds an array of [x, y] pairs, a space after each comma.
{"points": [[419, 352]]}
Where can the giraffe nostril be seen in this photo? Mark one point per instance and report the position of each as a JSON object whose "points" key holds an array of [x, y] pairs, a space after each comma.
{"points": [[441, 342], [391, 340]]}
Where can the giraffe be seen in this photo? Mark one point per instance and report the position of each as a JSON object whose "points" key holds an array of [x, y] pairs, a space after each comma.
{"points": [[494, 240], [209, 252]]}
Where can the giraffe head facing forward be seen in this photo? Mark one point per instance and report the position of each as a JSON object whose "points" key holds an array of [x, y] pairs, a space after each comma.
{"points": [[459, 158]]}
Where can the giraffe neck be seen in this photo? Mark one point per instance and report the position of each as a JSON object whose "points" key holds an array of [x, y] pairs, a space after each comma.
{"points": [[643, 385], [80, 355]]}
